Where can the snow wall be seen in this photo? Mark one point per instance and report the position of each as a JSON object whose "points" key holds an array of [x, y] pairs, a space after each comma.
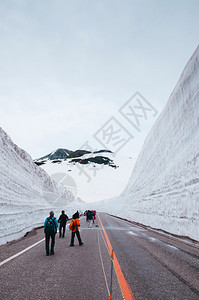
{"points": [[27, 193], [163, 191]]}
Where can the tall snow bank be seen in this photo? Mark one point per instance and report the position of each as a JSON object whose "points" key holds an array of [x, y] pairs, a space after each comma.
{"points": [[163, 191], [27, 193]]}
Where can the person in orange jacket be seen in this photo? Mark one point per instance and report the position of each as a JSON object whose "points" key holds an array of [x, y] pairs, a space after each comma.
{"points": [[74, 227]]}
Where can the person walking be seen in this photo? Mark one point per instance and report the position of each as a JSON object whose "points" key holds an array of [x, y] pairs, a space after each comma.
{"points": [[50, 229], [86, 214], [94, 216], [74, 227], [90, 218], [62, 223]]}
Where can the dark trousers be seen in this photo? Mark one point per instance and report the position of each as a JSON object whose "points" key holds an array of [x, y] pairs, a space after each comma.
{"points": [[60, 230], [73, 236], [48, 236]]}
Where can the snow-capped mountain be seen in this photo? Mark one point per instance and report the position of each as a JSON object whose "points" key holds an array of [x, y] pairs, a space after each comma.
{"points": [[27, 192], [77, 156], [91, 176], [163, 191]]}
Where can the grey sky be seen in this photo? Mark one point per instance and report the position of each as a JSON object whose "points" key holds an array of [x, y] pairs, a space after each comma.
{"points": [[66, 67]]}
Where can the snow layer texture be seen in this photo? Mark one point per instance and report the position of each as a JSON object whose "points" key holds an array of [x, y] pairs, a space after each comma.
{"points": [[27, 193], [163, 191]]}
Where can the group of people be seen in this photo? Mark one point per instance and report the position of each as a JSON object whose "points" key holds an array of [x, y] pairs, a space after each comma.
{"points": [[50, 229], [90, 217]]}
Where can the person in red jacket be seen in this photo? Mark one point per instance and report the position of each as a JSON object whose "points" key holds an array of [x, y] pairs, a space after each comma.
{"points": [[74, 227]]}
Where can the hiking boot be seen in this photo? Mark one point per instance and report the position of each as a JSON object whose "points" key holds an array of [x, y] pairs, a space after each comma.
{"points": [[81, 244], [71, 245], [52, 253]]}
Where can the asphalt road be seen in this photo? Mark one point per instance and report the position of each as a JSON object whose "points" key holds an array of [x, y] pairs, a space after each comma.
{"points": [[155, 266]]}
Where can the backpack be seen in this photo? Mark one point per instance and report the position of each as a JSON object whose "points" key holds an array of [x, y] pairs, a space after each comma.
{"points": [[72, 225], [50, 226]]}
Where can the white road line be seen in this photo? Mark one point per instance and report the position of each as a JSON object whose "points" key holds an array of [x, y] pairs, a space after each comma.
{"points": [[23, 251], [131, 232], [19, 253], [102, 264], [173, 247], [153, 239]]}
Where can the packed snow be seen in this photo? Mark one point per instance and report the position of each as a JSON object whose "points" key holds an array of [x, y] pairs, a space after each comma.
{"points": [[27, 193], [163, 191]]}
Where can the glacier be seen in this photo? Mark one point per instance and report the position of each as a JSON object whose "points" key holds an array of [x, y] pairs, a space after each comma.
{"points": [[27, 192], [163, 190]]}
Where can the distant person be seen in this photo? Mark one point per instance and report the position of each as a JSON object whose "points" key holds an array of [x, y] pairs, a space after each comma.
{"points": [[74, 227], [62, 223], [90, 218], [86, 214], [50, 229], [94, 216]]}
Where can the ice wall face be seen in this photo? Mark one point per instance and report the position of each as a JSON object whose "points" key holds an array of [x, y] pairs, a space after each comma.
{"points": [[163, 191], [27, 193]]}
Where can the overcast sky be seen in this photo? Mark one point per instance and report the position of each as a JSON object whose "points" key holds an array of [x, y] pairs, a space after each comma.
{"points": [[67, 67]]}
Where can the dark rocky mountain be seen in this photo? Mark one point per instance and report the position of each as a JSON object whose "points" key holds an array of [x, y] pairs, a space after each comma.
{"points": [[103, 151], [97, 159], [78, 153], [58, 154]]}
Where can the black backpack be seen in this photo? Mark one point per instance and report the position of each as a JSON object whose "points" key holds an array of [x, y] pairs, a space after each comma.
{"points": [[50, 226]]}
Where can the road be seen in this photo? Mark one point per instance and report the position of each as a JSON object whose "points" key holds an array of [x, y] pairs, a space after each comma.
{"points": [[148, 265]]}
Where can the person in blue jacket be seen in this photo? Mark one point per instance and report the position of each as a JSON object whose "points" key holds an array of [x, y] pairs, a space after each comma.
{"points": [[50, 229]]}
